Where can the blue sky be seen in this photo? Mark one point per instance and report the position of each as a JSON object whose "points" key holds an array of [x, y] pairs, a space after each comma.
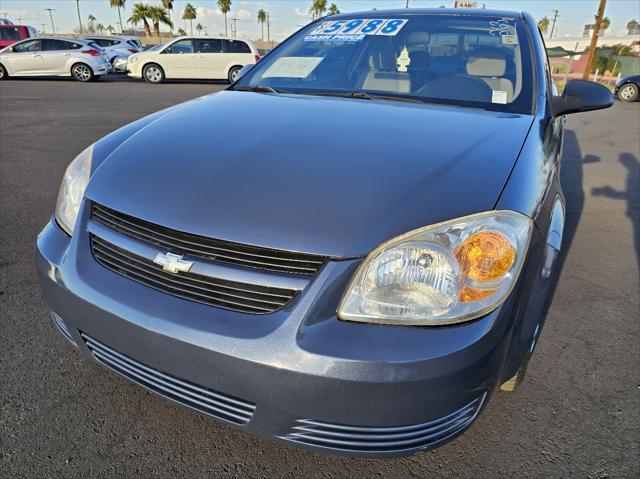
{"points": [[289, 15]]}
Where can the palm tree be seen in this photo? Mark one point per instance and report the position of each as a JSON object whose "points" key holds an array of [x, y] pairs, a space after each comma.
{"points": [[159, 15], [118, 4], [91, 19], [543, 25], [632, 26], [168, 4], [318, 8], [605, 24], [262, 18], [181, 32], [333, 9], [141, 14], [189, 14], [110, 29], [199, 28], [100, 27], [225, 7]]}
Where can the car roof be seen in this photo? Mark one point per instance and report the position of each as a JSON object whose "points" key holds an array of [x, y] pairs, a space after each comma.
{"points": [[470, 12], [210, 37], [67, 39], [105, 37]]}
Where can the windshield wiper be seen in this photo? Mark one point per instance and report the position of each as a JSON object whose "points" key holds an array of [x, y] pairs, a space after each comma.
{"points": [[261, 89], [363, 95]]}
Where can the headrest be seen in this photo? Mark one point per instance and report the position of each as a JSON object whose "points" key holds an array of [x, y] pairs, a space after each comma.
{"points": [[418, 38], [486, 63]]}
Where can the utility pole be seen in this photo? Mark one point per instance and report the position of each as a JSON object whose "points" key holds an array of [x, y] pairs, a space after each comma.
{"points": [[79, 17], [594, 40], [19, 21], [42, 25], [553, 25], [53, 29], [406, 5], [234, 29]]}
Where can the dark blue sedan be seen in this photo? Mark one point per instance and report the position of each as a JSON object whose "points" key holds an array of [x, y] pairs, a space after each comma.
{"points": [[350, 249], [627, 88]]}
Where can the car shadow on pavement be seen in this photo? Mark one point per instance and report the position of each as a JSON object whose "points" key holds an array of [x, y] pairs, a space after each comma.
{"points": [[571, 178], [631, 195]]}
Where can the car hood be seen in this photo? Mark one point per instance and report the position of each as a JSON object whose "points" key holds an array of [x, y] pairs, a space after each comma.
{"points": [[322, 175]]}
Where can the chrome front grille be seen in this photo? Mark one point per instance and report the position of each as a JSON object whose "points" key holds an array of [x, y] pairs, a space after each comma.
{"points": [[188, 394], [208, 248], [247, 298], [383, 439]]}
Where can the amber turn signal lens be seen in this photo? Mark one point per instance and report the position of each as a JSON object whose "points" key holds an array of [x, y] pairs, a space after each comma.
{"points": [[467, 295], [485, 256]]}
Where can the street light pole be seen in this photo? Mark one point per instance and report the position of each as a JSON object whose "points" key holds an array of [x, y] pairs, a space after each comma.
{"points": [[79, 17], [234, 29], [268, 28], [53, 28]]}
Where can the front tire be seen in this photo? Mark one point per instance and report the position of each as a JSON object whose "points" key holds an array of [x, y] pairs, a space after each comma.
{"points": [[3, 73], [152, 73], [82, 72], [233, 74], [628, 93]]}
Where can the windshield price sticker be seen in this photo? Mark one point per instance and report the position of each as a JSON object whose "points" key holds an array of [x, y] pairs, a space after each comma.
{"points": [[334, 38], [292, 67], [356, 29], [504, 26]]}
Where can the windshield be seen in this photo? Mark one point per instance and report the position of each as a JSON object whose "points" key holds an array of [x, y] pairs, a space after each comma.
{"points": [[478, 61], [157, 47]]}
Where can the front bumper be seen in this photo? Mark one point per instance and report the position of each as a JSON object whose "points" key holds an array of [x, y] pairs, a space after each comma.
{"points": [[298, 375], [120, 64]]}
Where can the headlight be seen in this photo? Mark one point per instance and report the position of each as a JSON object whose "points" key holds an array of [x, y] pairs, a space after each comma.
{"points": [[442, 274], [75, 181], [133, 59]]}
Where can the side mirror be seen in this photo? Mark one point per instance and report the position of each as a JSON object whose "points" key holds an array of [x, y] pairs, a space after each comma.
{"points": [[581, 95], [243, 71]]}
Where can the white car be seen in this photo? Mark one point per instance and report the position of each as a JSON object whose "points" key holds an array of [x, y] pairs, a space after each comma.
{"points": [[195, 58], [51, 56], [118, 49]]}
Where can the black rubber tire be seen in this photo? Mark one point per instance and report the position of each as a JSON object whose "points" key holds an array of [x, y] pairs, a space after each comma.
{"points": [[628, 93], [153, 73], [82, 72], [3, 72], [233, 72]]}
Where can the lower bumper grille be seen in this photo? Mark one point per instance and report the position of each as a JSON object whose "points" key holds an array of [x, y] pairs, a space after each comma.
{"points": [[57, 321], [191, 395], [383, 439]]}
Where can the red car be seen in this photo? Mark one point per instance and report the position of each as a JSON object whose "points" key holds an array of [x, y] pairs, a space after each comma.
{"points": [[10, 34]]}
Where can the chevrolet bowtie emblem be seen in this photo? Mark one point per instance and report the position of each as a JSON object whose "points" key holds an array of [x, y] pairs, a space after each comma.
{"points": [[172, 263]]}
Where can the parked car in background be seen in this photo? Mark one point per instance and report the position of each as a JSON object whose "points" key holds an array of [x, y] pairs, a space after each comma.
{"points": [[10, 34], [193, 58], [52, 56], [627, 88], [360, 273], [118, 49]]}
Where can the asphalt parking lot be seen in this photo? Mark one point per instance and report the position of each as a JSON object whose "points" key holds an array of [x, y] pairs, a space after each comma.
{"points": [[62, 415]]}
